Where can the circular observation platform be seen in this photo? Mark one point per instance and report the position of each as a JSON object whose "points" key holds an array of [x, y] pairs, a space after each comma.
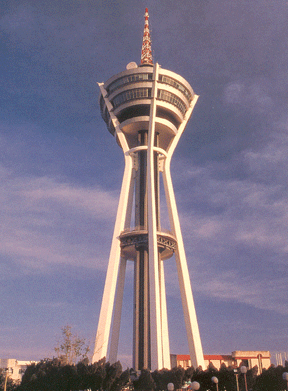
{"points": [[133, 241], [131, 93]]}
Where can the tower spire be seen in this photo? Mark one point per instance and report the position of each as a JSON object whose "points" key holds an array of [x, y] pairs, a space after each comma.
{"points": [[146, 53]]}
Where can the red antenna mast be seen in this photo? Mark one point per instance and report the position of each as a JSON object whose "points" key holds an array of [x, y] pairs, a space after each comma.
{"points": [[146, 53]]}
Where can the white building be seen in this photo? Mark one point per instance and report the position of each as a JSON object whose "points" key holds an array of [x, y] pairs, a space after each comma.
{"points": [[248, 358], [16, 368]]}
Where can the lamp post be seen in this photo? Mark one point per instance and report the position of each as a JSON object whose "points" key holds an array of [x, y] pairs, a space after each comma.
{"points": [[243, 370], [236, 375], [285, 377], [215, 380], [195, 385], [8, 370]]}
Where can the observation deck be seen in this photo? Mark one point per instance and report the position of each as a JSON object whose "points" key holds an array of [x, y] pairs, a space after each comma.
{"points": [[131, 92], [131, 241]]}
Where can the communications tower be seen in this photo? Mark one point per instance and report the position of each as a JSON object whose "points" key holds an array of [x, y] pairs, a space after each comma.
{"points": [[146, 109]]}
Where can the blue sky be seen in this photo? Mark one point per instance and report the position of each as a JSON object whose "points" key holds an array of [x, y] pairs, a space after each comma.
{"points": [[61, 170]]}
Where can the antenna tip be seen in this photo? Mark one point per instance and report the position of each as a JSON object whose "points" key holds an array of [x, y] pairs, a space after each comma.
{"points": [[146, 54]]}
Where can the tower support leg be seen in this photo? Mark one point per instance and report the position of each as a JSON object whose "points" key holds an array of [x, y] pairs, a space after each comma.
{"points": [[193, 335], [117, 312], [105, 318], [155, 301], [164, 320]]}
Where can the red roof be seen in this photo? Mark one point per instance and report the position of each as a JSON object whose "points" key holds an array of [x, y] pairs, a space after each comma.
{"points": [[185, 357]]}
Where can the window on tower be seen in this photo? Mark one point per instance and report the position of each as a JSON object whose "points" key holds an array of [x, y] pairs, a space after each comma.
{"points": [[137, 93], [174, 83], [128, 79], [171, 98]]}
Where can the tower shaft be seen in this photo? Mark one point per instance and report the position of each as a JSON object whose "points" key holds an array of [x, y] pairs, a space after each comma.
{"points": [[141, 324]]}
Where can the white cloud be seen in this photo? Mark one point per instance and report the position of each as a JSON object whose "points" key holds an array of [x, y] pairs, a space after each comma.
{"points": [[251, 95], [45, 221], [273, 157], [235, 230], [261, 294]]}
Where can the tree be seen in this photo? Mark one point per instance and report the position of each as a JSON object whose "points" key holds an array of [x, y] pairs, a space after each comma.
{"points": [[113, 373], [161, 378], [270, 379], [145, 381], [72, 347], [189, 373], [97, 374], [44, 376], [122, 381], [227, 378], [54, 374], [177, 377]]}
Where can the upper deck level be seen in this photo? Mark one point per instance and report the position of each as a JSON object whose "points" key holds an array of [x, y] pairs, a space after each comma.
{"points": [[130, 94]]}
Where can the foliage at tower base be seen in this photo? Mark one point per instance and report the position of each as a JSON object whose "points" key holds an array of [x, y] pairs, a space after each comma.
{"points": [[177, 376], [53, 374], [271, 379]]}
